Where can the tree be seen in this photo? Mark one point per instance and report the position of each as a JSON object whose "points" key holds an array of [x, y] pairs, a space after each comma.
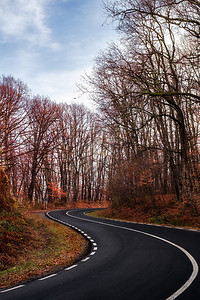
{"points": [[77, 153], [144, 85], [43, 116], [184, 14], [6, 200], [13, 95], [55, 192]]}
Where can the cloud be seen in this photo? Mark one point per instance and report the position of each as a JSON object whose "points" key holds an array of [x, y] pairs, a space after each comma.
{"points": [[61, 85], [24, 20], [50, 43]]}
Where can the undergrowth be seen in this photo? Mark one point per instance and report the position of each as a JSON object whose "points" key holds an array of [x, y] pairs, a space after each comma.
{"points": [[166, 211], [31, 246]]}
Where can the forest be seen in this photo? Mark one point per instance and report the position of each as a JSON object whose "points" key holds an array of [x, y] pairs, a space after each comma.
{"points": [[141, 144], [49, 151], [138, 152], [148, 89]]}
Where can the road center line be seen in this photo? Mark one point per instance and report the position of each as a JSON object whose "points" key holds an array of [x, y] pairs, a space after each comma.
{"points": [[189, 256]]}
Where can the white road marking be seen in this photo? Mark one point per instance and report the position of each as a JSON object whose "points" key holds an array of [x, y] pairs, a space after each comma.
{"points": [[13, 288], [92, 253], [79, 230], [94, 244], [189, 256], [72, 267], [47, 277], [85, 259], [95, 249]]}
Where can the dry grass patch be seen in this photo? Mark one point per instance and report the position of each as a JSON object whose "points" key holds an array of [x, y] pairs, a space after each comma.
{"points": [[31, 246]]}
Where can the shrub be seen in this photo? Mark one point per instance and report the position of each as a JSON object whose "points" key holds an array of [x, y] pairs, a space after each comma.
{"points": [[6, 200]]}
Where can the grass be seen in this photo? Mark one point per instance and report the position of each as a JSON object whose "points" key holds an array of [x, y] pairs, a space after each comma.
{"points": [[31, 247]]}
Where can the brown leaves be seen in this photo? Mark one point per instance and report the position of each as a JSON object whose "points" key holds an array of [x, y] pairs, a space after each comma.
{"points": [[166, 212], [33, 241], [6, 200]]}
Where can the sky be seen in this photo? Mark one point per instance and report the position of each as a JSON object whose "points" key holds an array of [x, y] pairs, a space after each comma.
{"points": [[50, 44]]}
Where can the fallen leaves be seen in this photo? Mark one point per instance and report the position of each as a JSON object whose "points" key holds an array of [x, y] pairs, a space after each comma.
{"points": [[45, 247], [166, 211]]}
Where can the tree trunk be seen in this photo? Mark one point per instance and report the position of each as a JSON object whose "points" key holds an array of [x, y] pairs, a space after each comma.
{"points": [[186, 180]]}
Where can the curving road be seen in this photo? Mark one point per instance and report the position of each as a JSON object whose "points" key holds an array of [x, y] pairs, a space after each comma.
{"points": [[126, 261]]}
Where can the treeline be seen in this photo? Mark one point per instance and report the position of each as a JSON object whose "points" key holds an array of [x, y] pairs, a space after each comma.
{"points": [[147, 86], [50, 152], [145, 140]]}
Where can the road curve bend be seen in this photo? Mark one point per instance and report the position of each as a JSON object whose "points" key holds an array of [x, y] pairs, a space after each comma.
{"points": [[126, 261]]}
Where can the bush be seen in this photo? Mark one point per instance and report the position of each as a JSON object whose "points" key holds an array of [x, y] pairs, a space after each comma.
{"points": [[131, 184], [6, 200]]}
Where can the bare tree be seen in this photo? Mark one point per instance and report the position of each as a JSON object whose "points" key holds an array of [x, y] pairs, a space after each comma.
{"points": [[145, 85], [13, 95], [43, 116]]}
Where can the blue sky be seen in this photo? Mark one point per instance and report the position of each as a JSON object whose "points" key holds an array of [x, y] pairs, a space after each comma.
{"points": [[49, 44]]}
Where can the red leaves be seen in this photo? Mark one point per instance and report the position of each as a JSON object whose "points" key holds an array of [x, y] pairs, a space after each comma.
{"points": [[56, 192]]}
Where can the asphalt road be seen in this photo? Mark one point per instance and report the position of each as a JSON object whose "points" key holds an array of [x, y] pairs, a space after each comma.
{"points": [[126, 261]]}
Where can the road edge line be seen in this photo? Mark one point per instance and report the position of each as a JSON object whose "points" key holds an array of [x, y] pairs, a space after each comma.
{"points": [[189, 256]]}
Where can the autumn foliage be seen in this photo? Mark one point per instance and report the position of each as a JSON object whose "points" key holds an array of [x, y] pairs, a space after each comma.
{"points": [[55, 192], [165, 211], [6, 200], [132, 184], [27, 247]]}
